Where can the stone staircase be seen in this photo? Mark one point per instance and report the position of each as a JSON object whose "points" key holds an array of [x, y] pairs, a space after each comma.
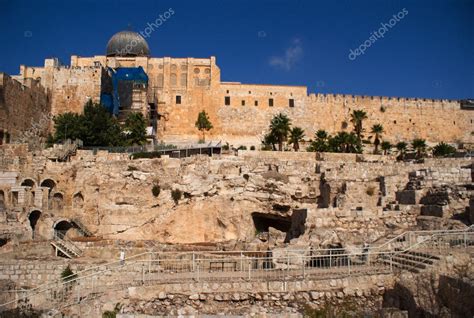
{"points": [[63, 152], [65, 247], [81, 228], [412, 261]]}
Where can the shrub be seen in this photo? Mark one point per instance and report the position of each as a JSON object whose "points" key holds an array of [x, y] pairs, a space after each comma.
{"points": [[443, 149], [370, 191], [252, 147], [146, 155], [112, 313], [176, 194], [382, 109], [226, 147], [132, 168], [68, 275], [156, 190], [242, 148], [246, 177]]}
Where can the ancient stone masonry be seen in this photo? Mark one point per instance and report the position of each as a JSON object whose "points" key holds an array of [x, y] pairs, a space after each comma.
{"points": [[24, 109], [231, 198], [179, 88], [283, 206]]}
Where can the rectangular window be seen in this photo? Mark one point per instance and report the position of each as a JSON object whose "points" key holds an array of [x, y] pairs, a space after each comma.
{"points": [[178, 99], [243, 103], [292, 102], [256, 103], [270, 102], [227, 100]]}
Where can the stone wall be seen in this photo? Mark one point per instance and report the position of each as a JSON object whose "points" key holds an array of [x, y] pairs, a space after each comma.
{"points": [[112, 195], [24, 109], [245, 119]]}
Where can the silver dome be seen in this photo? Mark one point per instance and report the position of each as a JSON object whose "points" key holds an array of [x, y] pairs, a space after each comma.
{"points": [[127, 43]]}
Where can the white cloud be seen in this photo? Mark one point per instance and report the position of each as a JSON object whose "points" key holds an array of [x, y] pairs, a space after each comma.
{"points": [[292, 55]]}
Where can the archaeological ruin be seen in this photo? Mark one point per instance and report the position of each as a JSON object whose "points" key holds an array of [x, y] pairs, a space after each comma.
{"points": [[200, 229]]}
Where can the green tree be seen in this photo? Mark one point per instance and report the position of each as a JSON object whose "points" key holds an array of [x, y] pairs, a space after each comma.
{"points": [[203, 124], [402, 148], [269, 141], [320, 143], [68, 126], [419, 145], [280, 128], [443, 149], [101, 128], [386, 146], [377, 131], [357, 118], [345, 142], [135, 129], [95, 127], [296, 136]]}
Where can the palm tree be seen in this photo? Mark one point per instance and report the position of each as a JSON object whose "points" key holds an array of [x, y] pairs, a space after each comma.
{"points": [[402, 148], [280, 127], [386, 146], [345, 142], [269, 140], [320, 143], [377, 130], [321, 134], [357, 117], [296, 135], [419, 145]]}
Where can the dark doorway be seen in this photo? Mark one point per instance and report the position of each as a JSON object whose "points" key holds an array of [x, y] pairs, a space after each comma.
{"points": [[34, 217], [62, 227]]}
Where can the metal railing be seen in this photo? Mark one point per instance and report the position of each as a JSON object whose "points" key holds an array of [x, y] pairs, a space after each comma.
{"points": [[167, 267], [62, 239]]}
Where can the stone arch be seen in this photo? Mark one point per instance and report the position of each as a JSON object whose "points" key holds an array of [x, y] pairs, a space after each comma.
{"points": [[57, 201], [173, 79], [61, 227], [78, 200], [28, 182], [48, 183], [33, 217]]}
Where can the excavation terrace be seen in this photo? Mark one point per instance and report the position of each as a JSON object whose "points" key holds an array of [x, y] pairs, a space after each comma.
{"points": [[233, 233]]}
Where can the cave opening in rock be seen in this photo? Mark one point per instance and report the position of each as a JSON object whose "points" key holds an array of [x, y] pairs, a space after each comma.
{"points": [[3, 241], [263, 222], [293, 226]]}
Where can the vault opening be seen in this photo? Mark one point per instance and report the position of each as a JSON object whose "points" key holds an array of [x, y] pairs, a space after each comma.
{"points": [[293, 226]]}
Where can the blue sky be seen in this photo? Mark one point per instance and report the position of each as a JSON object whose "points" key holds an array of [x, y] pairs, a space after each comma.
{"points": [[428, 52]]}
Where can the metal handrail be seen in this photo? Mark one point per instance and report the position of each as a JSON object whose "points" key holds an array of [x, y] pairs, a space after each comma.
{"points": [[134, 259], [61, 237]]}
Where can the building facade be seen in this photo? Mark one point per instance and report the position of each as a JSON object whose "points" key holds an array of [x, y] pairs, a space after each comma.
{"points": [[171, 92]]}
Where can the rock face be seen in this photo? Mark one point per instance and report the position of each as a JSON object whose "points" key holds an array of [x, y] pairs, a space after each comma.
{"points": [[308, 199]]}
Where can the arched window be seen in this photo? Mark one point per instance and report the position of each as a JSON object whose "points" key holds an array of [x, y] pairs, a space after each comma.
{"points": [[78, 200], [48, 183], [57, 202], [173, 79], [28, 183]]}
